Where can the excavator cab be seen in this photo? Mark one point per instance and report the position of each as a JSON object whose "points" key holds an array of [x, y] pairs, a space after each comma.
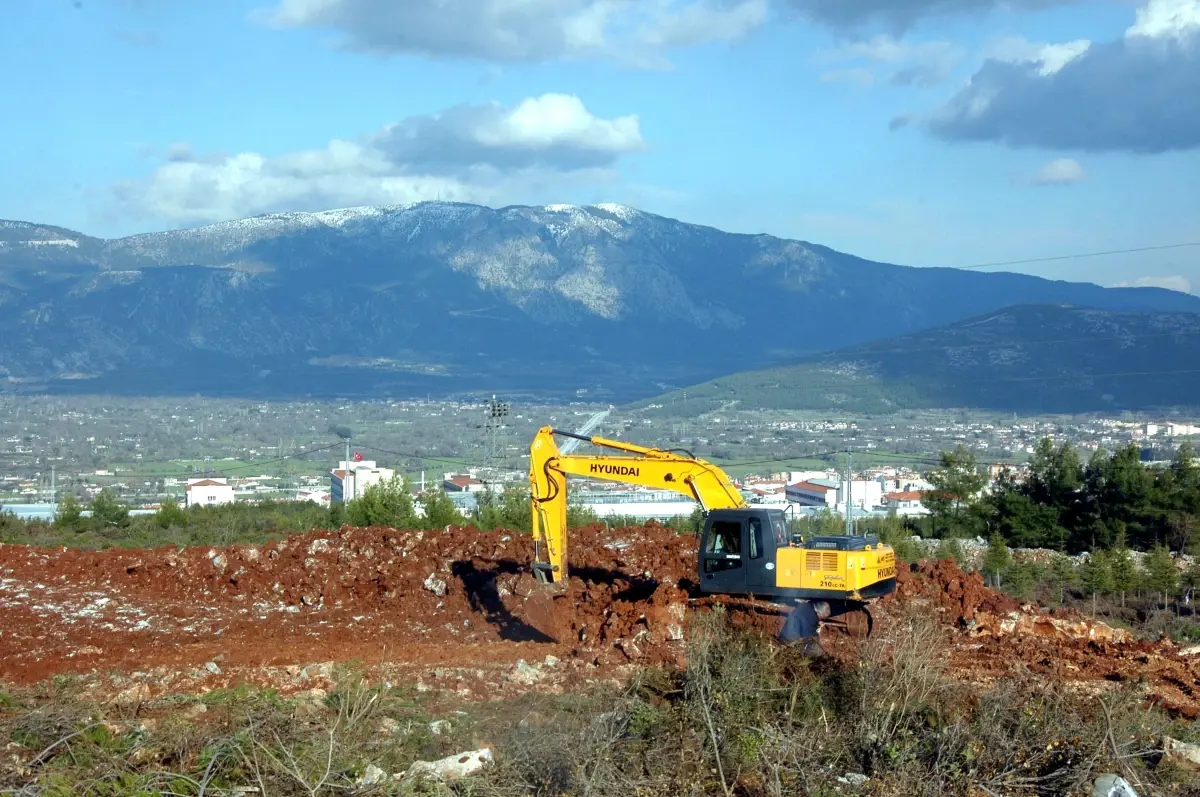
{"points": [[737, 550], [747, 551]]}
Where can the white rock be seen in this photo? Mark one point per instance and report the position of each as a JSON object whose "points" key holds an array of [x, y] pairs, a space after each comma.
{"points": [[438, 727], [1112, 786], [213, 668], [372, 776], [1182, 754], [551, 660], [435, 585], [524, 673], [323, 670], [137, 693], [450, 767], [854, 779]]}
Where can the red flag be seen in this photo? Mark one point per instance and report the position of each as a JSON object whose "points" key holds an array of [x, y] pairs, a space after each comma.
{"points": [[358, 456]]}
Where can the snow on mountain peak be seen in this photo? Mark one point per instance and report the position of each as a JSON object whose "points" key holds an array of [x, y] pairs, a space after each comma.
{"points": [[623, 212]]}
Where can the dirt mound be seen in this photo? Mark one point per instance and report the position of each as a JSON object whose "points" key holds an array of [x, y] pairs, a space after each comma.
{"points": [[999, 636], [461, 607], [962, 595], [969, 605], [341, 594]]}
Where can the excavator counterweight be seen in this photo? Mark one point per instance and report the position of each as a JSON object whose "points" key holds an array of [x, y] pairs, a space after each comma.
{"points": [[745, 550]]}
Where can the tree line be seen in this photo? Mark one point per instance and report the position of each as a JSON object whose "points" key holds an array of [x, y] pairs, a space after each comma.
{"points": [[108, 522], [1064, 504]]}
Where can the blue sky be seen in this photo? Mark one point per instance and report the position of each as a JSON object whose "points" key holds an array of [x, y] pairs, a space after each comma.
{"points": [[924, 132]]}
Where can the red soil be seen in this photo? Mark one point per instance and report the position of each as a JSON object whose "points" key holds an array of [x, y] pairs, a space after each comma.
{"points": [[461, 606]]}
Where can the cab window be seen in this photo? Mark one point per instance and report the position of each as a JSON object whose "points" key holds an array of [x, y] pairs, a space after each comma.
{"points": [[756, 538], [723, 550], [726, 538], [780, 529]]}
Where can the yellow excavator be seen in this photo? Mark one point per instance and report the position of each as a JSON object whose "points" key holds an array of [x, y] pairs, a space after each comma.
{"points": [[745, 550]]}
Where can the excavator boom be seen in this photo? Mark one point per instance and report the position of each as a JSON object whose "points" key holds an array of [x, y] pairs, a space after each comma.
{"points": [[646, 467]]}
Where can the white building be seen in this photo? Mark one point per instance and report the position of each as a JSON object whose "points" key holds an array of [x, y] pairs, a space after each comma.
{"points": [[813, 492], [208, 492], [462, 483], [349, 480], [776, 496], [1182, 429], [863, 494], [906, 503], [640, 504], [794, 476], [316, 496]]}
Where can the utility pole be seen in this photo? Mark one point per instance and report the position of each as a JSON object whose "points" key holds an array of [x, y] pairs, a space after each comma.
{"points": [[53, 484], [849, 492]]}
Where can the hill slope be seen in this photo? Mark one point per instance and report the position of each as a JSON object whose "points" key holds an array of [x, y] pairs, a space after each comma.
{"points": [[1028, 358], [438, 298]]}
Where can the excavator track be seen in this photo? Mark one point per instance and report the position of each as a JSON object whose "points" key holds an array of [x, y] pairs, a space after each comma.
{"points": [[857, 622]]}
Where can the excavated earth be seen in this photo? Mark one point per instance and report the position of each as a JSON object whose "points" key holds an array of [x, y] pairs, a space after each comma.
{"points": [[458, 610]]}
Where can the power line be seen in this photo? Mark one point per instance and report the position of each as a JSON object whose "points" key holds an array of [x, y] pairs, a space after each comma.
{"points": [[1076, 256], [248, 465], [458, 463], [845, 387]]}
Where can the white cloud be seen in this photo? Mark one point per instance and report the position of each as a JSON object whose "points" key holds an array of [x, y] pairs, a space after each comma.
{"points": [[681, 24], [485, 153], [909, 63], [1137, 94], [523, 30], [1049, 58], [1166, 19], [1060, 171], [1174, 282]]}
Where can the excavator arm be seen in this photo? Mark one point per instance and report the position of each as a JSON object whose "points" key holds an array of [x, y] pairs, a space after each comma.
{"points": [[646, 467]]}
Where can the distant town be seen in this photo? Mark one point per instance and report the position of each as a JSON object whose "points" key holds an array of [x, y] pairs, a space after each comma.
{"points": [[212, 452]]}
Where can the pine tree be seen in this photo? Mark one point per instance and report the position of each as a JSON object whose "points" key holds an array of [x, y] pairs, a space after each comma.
{"points": [[996, 560], [1063, 576], [1096, 575], [951, 548], [956, 487], [1124, 571], [1161, 575]]}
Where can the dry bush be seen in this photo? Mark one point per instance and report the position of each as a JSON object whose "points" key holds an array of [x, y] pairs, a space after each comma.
{"points": [[746, 717]]}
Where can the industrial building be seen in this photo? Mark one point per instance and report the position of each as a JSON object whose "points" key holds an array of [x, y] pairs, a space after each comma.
{"points": [[350, 479]]}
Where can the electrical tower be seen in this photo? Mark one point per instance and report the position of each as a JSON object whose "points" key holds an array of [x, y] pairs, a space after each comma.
{"points": [[496, 412]]}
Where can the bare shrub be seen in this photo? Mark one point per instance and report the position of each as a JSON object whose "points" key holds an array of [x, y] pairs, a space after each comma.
{"points": [[902, 676]]}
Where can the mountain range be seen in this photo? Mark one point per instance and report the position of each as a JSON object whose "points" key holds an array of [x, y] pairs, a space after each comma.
{"points": [[1027, 358], [438, 298]]}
